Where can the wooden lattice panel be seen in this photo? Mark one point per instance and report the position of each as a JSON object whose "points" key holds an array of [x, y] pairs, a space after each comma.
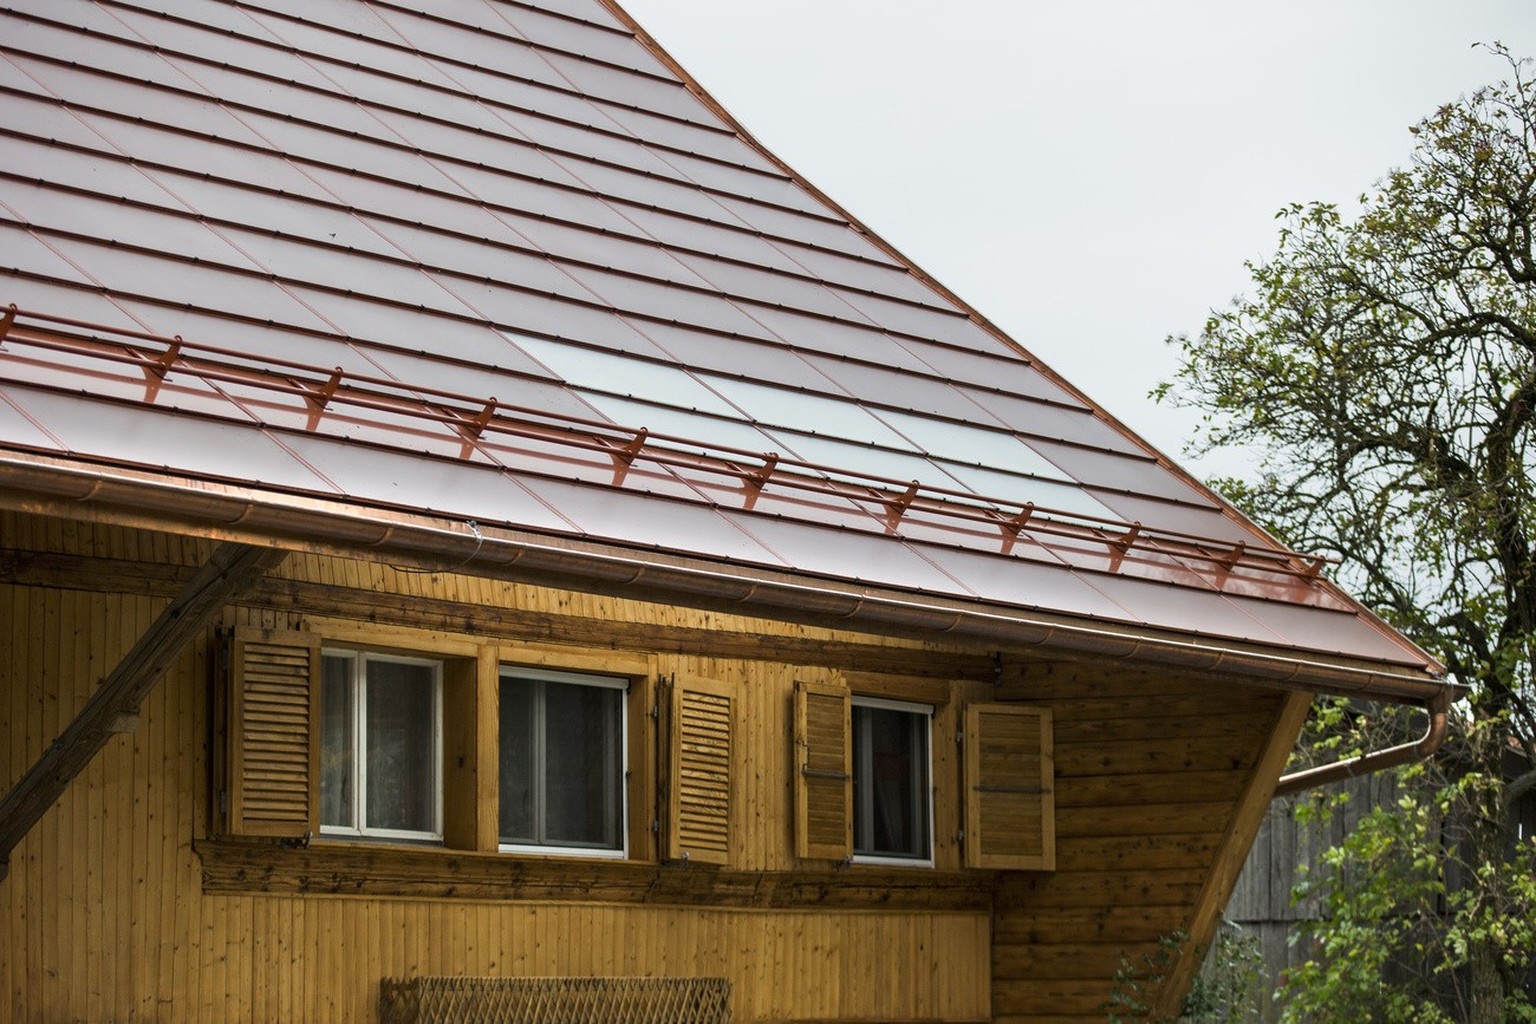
{"points": [[554, 1000]]}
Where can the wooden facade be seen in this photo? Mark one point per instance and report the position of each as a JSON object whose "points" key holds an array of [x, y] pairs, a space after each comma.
{"points": [[134, 899]]}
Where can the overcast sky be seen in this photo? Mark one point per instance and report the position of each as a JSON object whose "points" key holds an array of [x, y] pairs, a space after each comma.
{"points": [[1089, 175]]}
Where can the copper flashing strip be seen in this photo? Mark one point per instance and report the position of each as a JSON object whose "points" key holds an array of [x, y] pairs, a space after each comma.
{"points": [[473, 419], [58, 488], [1377, 760]]}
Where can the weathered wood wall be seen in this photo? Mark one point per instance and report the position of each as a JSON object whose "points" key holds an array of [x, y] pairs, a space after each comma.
{"points": [[1149, 777], [110, 912]]}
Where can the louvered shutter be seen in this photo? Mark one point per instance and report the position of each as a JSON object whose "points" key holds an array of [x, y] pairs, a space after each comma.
{"points": [[274, 746], [1010, 806], [700, 731], [823, 772]]}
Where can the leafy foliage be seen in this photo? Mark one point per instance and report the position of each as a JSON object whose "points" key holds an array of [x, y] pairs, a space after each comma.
{"points": [[1384, 368], [1222, 994]]}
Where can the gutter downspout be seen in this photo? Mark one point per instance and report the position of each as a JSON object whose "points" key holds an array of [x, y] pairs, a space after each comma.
{"points": [[1390, 757]]}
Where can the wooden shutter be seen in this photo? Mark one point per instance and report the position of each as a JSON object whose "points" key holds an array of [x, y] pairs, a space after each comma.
{"points": [[700, 727], [823, 772], [1010, 804], [274, 742]]}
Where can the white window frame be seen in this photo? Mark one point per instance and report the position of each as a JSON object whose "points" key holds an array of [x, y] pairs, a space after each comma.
{"points": [[864, 800], [360, 658], [622, 685]]}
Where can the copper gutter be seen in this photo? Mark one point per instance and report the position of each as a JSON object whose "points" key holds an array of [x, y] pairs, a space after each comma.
{"points": [[1363, 764], [56, 488]]}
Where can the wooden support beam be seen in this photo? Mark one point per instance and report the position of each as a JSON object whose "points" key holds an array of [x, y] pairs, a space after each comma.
{"points": [[113, 707]]}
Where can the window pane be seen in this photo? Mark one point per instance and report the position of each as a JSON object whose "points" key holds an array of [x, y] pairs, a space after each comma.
{"points": [[400, 748], [517, 761], [890, 779], [338, 756], [581, 761]]}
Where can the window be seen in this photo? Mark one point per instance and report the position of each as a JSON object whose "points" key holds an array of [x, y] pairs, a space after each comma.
{"points": [[381, 746], [892, 819], [562, 758]]}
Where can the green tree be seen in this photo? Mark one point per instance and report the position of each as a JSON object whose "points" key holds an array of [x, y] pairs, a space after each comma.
{"points": [[1383, 372]]}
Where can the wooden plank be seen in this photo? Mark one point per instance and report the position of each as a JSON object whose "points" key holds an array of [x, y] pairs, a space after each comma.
{"points": [[252, 866], [726, 636], [1141, 789], [1152, 819], [1127, 853], [1137, 756], [1088, 924]]}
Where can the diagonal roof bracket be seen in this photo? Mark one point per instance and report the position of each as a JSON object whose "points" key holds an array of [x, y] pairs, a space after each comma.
{"points": [[1014, 525], [624, 457], [899, 505], [7, 320], [1123, 543], [471, 429], [319, 398], [156, 368], [755, 480], [1229, 561]]}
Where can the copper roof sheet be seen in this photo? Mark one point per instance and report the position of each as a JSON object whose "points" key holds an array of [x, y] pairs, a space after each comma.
{"points": [[497, 261]]}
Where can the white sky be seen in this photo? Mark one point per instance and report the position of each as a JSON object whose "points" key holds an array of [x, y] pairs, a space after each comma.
{"points": [[1089, 175]]}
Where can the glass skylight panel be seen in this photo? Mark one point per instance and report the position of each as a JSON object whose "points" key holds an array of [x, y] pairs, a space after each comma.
{"points": [[971, 445], [529, 311], [1018, 490], [856, 459], [596, 370], [807, 412], [707, 431]]}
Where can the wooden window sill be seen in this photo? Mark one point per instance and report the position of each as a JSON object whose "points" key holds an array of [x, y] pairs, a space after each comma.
{"points": [[245, 866]]}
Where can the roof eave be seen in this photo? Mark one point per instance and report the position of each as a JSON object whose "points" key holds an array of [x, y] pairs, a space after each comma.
{"points": [[59, 487]]}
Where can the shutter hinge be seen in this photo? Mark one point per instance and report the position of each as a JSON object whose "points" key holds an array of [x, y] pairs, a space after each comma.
{"points": [[223, 801], [654, 713], [959, 737], [655, 826]]}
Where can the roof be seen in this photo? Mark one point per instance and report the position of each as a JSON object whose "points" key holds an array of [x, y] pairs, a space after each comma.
{"points": [[502, 270]]}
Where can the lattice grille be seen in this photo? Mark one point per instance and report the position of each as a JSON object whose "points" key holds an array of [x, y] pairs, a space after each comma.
{"points": [[554, 1000]]}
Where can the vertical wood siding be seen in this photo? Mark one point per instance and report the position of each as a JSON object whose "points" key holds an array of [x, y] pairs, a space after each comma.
{"points": [[103, 916]]}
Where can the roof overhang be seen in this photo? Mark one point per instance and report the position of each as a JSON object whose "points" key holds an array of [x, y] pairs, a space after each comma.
{"points": [[62, 488]]}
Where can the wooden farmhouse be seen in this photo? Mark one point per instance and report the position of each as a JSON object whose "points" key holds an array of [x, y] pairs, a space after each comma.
{"points": [[478, 533]]}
